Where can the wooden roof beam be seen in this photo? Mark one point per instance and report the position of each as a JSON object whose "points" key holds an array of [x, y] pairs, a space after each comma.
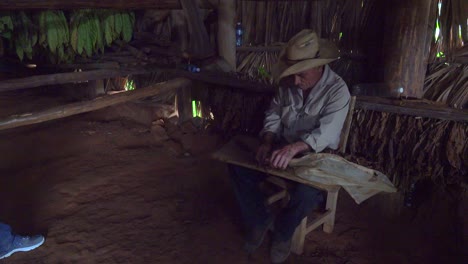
{"points": [[83, 4]]}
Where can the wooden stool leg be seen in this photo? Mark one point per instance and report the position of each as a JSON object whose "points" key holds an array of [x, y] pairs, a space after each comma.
{"points": [[298, 238], [332, 198]]}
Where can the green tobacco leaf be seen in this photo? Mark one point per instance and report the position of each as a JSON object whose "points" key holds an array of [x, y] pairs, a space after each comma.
{"points": [[108, 28], [52, 33], [6, 35], [61, 54], [90, 36], [74, 32], [126, 28], [99, 37], [43, 28], [19, 52], [118, 25]]}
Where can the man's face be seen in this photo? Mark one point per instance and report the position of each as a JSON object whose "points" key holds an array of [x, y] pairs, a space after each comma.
{"points": [[308, 78]]}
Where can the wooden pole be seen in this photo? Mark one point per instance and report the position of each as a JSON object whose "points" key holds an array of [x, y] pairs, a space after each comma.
{"points": [[227, 31], [88, 106], [62, 78], [199, 45], [405, 51], [80, 4]]}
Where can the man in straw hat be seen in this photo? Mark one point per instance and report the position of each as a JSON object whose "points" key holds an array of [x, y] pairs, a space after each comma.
{"points": [[307, 114]]}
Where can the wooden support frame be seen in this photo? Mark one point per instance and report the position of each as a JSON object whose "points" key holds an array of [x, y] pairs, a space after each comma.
{"points": [[88, 106]]}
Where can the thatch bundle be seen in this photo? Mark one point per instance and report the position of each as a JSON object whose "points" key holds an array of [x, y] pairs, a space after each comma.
{"points": [[408, 148], [347, 23], [448, 84]]}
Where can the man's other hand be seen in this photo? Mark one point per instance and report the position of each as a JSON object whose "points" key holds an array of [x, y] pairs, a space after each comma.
{"points": [[262, 153]]}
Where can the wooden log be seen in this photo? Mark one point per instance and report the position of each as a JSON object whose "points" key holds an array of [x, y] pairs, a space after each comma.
{"points": [[226, 80], [406, 49], [82, 66], [259, 49], [62, 78], [227, 32], [406, 107], [88, 106], [80, 4]]}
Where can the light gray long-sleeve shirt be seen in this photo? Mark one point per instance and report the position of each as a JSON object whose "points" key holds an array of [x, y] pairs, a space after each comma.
{"points": [[318, 121]]}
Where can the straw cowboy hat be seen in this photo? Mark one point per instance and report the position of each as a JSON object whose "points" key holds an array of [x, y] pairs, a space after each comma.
{"points": [[304, 51]]}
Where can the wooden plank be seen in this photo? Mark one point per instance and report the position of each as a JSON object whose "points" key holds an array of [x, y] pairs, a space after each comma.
{"points": [[239, 151], [406, 107], [79, 4], [297, 245], [276, 197], [62, 78], [88, 106], [318, 221], [332, 199]]}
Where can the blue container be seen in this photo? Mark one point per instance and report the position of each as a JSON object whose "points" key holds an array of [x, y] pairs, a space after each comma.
{"points": [[239, 33], [192, 68]]}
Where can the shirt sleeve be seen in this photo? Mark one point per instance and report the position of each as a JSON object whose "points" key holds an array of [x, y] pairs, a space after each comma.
{"points": [[331, 121], [272, 122]]}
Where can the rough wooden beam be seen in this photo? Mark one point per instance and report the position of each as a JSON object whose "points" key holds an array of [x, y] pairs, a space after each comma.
{"points": [[227, 80], [406, 107], [62, 78], [88, 106], [82, 66], [259, 49], [80, 4]]}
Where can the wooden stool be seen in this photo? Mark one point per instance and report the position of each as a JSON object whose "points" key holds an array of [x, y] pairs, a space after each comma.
{"points": [[327, 218]]}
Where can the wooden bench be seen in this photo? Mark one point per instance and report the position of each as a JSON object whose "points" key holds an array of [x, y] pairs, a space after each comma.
{"points": [[241, 151]]}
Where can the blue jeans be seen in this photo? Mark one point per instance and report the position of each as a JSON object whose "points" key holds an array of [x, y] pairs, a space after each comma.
{"points": [[6, 238], [252, 202]]}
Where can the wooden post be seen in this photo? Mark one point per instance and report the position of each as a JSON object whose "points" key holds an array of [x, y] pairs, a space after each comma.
{"points": [[88, 106], [184, 103], [200, 46], [405, 52], [227, 31]]}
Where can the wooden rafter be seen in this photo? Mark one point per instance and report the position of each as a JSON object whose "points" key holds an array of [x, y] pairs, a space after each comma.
{"points": [[80, 4]]}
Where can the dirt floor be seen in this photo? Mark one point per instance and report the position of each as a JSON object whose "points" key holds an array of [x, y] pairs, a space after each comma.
{"points": [[105, 191]]}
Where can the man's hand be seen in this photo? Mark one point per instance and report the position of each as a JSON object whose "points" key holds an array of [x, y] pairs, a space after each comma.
{"points": [[280, 158], [263, 152]]}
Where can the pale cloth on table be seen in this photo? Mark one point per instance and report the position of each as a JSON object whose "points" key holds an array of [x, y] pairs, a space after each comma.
{"points": [[360, 182]]}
